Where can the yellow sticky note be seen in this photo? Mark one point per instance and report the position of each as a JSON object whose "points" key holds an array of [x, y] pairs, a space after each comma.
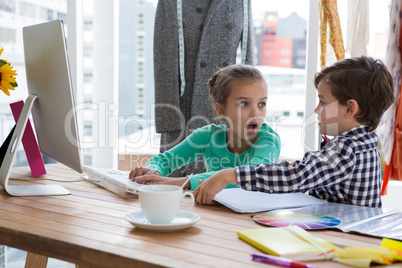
{"points": [[384, 253], [394, 246], [290, 242], [391, 244], [356, 254], [396, 255], [354, 262]]}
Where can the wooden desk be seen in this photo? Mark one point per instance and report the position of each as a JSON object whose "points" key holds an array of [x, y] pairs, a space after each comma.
{"points": [[88, 228]]}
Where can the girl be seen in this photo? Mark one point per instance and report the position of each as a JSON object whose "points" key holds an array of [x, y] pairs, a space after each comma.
{"points": [[240, 95]]}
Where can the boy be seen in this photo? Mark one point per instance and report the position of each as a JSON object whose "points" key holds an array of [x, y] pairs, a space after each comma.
{"points": [[353, 95]]}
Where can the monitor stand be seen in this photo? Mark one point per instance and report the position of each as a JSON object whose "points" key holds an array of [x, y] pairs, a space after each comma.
{"points": [[9, 156]]}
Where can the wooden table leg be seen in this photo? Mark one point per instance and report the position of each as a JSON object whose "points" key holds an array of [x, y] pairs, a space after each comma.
{"points": [[35, 261]]}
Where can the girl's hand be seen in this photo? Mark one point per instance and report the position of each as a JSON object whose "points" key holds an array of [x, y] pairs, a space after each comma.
{"points": [[208, 188], [157, 179], [139, 171]]}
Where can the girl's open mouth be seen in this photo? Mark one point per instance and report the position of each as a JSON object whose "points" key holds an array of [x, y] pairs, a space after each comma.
{"points": [[252, 127]]}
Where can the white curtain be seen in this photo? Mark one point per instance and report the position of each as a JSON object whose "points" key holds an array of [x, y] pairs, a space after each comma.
{"points": [[357, 32]]}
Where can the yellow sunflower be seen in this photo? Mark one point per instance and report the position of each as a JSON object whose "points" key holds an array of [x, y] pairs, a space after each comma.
{"points": [[7, 79]]}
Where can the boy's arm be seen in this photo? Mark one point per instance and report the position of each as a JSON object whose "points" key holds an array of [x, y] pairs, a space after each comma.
{"points": [[317, 169], [208, 188]]}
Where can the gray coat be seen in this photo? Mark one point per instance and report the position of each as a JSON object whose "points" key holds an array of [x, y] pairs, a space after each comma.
{"points": [[212, 34]]}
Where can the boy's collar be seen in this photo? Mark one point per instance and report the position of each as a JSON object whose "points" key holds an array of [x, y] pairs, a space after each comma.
{"points": [[355, 130], [350, 132]]}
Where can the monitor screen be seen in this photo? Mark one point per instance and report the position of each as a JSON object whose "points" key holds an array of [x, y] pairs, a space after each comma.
{"points": [[48, 78]]}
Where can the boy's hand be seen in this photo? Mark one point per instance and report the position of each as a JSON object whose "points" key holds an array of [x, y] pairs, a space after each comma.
{"points": [[208, 188], [139, 171]]}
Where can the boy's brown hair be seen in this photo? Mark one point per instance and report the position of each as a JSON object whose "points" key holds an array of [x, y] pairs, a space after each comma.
{"points": [[363, 79]]}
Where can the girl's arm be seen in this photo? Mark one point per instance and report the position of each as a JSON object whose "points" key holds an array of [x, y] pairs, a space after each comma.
{"points": [[266, 150], [185, 152], [196, 178], [158, 167]]}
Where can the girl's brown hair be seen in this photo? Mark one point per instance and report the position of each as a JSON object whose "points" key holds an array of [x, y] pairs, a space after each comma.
{"points": [[220, 82]]}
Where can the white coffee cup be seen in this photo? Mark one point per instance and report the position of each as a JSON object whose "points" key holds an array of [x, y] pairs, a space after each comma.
{"points": [[161, 203]]}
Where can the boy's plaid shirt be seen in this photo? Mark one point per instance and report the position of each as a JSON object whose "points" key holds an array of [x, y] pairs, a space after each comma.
{"points": [[346, 170]]}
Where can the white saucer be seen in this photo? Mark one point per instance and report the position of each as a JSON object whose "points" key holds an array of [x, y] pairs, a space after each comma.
{"points": [[182, 221]]}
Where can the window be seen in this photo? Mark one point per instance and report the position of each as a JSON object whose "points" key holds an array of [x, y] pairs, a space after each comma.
{"points": [[286, 85], [300, 62], [88, 77], [140, 18], [141, 78], [7, 36], [301, 52], [88, 129], [62, 16], [285, 61], [27, 9], [88, 24], [45, 14], [88, 51], [268, 51], [7, 5]]}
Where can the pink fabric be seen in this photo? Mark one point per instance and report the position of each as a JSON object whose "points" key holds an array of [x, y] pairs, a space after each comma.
{"points": [[325, 140]]}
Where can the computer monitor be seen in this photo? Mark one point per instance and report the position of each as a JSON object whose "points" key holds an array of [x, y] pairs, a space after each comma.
{"points": [[51, 101]]}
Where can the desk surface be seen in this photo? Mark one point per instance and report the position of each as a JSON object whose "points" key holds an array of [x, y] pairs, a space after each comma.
{"points": [[88, 228]]}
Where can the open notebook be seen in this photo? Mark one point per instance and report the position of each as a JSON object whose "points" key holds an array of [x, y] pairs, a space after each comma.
{"points": [[243, 201], [113, 180]]}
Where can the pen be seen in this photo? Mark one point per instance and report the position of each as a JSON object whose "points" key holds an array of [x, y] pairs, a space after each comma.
{"points": [[279, 261]]}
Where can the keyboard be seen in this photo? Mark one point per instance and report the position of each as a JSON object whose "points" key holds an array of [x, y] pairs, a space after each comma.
{"points": [[113, 180]]}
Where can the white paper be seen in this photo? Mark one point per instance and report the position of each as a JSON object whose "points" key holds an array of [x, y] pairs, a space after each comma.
{"points": [[244, 201]]}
